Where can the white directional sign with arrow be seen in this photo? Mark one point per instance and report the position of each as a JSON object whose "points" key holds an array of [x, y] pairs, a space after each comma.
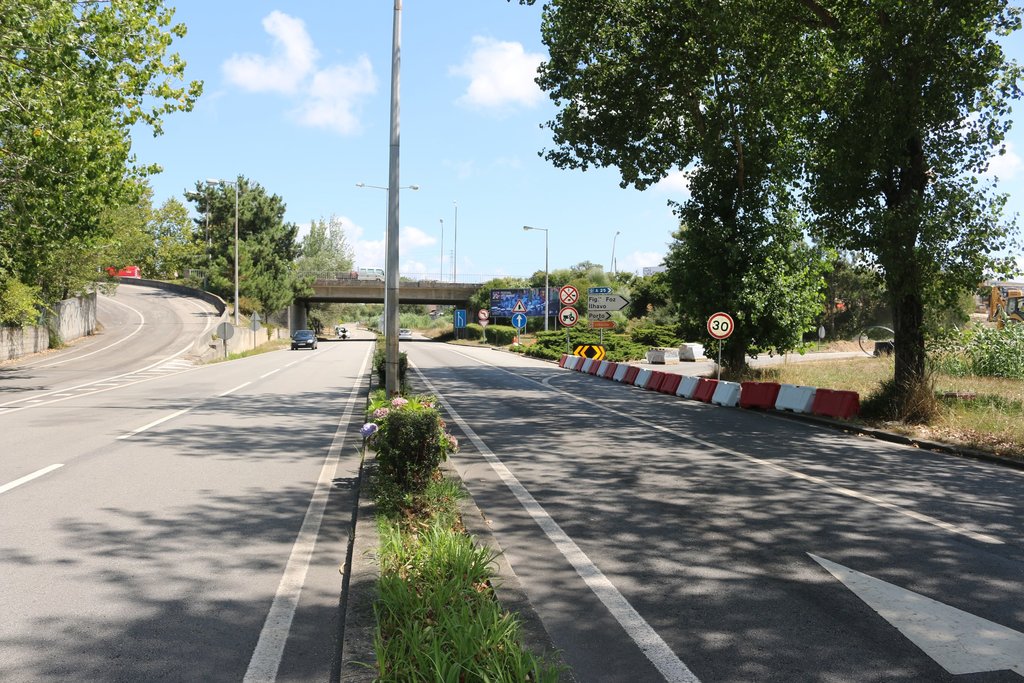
{"points": [[606, 302], [958, 641], [596, 316]]}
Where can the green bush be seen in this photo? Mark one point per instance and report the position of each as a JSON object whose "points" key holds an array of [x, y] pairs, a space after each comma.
{"points": [[410, 439], [656, 336], [981, 351], [19, 303], [618, 347], [380, 366]]}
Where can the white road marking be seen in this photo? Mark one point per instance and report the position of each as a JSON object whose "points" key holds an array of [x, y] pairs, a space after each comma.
{"points": [[266, 658], [645, 637], [29, 477], [263, 376], [142, 321], [820, 481], [231, 391], [154, 423], [960, 642]]}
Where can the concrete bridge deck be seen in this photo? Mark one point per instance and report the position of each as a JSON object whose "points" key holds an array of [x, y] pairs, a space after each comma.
{"points": [[355, 291]]}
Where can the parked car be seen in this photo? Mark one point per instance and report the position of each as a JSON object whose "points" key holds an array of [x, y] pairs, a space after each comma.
{"points": [[405, 333], [303, 339]]}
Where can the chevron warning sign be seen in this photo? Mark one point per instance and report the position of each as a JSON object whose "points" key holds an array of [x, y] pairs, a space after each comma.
{"points": [[594, 351]]}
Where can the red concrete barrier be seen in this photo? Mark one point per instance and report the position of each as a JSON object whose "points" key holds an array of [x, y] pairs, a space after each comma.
{"points": [[759, 394], [609, 371], [657, 377], [594, 367], [705, 390], [835, 403], [670, 384], [561, 363], [631, 374]]}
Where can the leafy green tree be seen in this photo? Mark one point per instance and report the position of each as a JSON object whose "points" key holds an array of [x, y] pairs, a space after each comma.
{"points": [[325, 249], [649, 294], [855, 298], [267, 244], [649, 86], [76, 77], [162, 241], [914, 103]]}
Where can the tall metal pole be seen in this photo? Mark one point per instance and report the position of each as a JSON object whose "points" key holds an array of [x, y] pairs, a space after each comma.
{"points": [[392, 384], [612, 264], [441, 265], [236, 252], [546, 293], [455, 251]]}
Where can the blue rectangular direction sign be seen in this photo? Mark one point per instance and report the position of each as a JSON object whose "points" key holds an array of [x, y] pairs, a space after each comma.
{"points": [[599, 290], [460, 318]]}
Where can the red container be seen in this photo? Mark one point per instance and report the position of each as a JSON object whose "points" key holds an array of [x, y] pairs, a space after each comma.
{"points": [[670, 384], [759, 394], [835, 403], [631, 374], [705, 390]]}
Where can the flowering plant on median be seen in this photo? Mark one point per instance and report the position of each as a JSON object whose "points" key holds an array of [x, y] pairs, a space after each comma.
{"points": [[410, 439]]}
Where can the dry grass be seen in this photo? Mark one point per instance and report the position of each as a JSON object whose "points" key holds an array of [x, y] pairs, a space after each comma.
{"points": [[990, 421]]}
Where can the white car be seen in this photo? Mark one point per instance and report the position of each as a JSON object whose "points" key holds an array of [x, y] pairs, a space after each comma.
{"points": [[405, 333]]}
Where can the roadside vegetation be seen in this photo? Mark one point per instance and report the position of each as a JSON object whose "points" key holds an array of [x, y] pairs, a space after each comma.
{"points": [[437, 616]]}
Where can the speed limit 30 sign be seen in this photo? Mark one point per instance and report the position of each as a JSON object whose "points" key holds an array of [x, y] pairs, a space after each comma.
{"points": [[720, 325]]}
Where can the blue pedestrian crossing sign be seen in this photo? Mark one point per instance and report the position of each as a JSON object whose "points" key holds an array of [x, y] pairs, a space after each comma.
{"points": [[519, 321], [460, 318]]}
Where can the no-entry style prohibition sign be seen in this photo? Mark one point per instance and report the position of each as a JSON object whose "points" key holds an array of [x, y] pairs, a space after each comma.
{"points": [[568, 295], [720, 325], [568, 316]]}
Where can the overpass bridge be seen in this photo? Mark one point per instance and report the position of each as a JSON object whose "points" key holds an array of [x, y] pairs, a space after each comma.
{"points": [[351, 290]]}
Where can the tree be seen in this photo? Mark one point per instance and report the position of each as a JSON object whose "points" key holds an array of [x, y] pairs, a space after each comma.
{"points": [[855, 298], [267, 244], [914, 104], [649, 86], [76, 77], [162, 241], [325, 248]]}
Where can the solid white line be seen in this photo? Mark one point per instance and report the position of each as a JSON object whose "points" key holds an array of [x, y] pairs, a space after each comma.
{"points": [[231, 391], [646, 638], [266, 658], [270, 373], [841, 490], [29, 477], [154, 423]]}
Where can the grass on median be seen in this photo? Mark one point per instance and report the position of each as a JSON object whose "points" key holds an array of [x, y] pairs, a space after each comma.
{"points": [[437, 616], [977, 412]]}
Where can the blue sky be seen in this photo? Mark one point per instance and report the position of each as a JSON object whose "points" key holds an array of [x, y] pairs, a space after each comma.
{"points": [[297, 98]]}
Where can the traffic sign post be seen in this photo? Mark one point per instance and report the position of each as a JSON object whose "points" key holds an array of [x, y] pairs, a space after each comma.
{"points": [[568, 295], [254, 325], [519, 321], [720, 326], [484, 317], [568, 316], [460, 320], [225, 331]]}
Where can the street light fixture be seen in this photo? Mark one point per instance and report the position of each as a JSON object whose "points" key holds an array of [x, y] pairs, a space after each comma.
{"points": [[214, 181], [545, 231], [440, 266], [617, 233]]}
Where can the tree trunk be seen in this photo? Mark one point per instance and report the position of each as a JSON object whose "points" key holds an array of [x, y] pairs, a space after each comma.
{"points": [[909, 375]]}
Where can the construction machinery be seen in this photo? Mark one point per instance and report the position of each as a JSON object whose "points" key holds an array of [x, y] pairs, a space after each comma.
{"points": [[1005, 304]]}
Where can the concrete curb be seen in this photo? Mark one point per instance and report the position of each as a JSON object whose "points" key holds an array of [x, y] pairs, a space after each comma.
{"points": [[358, 657]]}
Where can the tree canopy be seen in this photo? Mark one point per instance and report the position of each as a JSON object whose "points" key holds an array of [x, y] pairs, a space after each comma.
{"points": [[77, 76]]}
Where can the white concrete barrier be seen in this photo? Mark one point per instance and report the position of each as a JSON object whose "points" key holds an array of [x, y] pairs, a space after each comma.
{"points": [[620, 372], [602, 367], [572, 361], [642, 378], [726, 394], [795, 397], [587, 362], [691, 351], [663, 356], [687, 386]]}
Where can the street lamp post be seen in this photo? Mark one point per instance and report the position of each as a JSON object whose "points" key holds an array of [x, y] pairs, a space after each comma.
{"points": [[546, 297], [440, 266], [213, 181], [455, 251], [617, 233], [388, 332]]}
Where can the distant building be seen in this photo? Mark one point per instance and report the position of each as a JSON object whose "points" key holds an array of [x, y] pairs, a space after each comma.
{"points": [[655, 269]]}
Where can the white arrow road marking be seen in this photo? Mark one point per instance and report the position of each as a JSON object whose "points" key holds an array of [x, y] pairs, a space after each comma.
{"points": [[958, 641]]}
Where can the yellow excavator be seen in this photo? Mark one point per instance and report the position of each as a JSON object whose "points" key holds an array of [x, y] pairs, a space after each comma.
{"points": [[1005, 305]]}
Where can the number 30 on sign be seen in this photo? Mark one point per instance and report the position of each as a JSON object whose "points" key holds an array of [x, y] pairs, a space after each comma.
{"points": [[720, 325]]}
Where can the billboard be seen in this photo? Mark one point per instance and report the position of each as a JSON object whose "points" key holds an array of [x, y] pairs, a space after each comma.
{"points": [[504, 300]]}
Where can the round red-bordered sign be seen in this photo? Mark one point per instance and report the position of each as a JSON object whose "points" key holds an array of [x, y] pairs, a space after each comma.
{"points": [[483, 314], [568, 316], [568, 295], [720, 325]]}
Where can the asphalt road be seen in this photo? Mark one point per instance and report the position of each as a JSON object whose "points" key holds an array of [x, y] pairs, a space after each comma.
{"points": [[162, 521], [663, 539]]}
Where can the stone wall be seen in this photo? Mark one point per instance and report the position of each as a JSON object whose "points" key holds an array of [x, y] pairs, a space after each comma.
{"points": [[70, 319], [21, 341]]}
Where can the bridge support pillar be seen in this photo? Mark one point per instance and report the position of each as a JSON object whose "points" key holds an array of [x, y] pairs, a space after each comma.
{"points": [[297, 317]]}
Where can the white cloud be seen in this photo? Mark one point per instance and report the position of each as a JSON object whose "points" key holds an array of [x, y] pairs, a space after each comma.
{"points": [[414, 238], [676, 182], [323, 98], [500, 74], [335, 93], [1006, 166], [292, 60]]}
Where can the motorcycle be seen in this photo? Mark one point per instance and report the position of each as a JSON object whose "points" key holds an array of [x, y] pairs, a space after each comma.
{"points": [[343, 334]]}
